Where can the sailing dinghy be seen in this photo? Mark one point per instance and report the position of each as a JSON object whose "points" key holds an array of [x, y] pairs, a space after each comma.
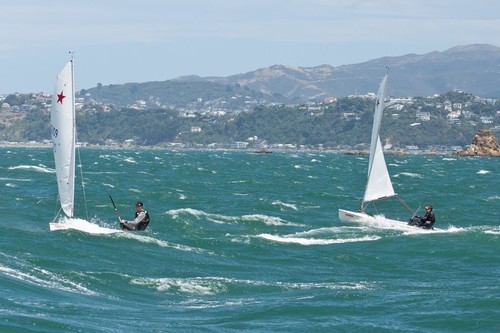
{"points": [[63, 128], [379, 185], [62, 125]]}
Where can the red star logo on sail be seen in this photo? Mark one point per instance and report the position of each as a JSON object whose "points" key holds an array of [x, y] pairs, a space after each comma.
{"points": [[60, 97]]}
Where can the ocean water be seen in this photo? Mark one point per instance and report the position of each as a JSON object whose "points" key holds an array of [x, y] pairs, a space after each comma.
{"points": [[248, 242]]}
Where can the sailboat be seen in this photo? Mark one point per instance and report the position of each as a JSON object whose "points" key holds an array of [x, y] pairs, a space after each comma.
{"points": [[62, 125], [63, 128], [379, 185]]}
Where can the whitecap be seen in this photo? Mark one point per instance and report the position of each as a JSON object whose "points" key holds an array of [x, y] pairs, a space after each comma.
{"points": [[38, 168], [292, 206], [141, 237], [269, 220], [130, 160], [196, 286], [218, 218], [316, 241], [408, 174], [44, 278]]}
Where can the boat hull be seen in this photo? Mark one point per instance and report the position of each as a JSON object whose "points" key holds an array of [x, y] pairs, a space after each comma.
{"points": [[54, 226], [347, 216]]}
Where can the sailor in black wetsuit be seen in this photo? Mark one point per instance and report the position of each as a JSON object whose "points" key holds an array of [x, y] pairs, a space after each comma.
{"points": [[425, 222], [141, 220], [429, 219]]}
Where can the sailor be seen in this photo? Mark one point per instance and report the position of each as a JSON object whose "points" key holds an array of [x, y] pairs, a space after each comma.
{"points": [[425, 222], [141, 220], [428, 220]]}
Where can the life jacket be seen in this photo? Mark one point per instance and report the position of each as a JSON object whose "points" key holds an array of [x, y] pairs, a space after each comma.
{"points": [[145, 221]]}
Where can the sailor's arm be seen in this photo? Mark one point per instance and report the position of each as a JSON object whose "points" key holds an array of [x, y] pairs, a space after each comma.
{"points": [[140, 217]]}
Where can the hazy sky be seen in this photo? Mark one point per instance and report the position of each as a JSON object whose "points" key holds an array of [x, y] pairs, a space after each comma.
{"points": [[119, 41]]}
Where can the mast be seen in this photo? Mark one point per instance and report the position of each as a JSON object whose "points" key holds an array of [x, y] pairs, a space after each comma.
{"points": [[73, 133]]}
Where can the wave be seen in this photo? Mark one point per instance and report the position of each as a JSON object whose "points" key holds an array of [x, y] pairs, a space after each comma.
{"points": [[221, 219], [315, 241], [269, 220], [118, 157], [198, 286], [483, 172], [302, 167], [41, 277], [151, 240], [38, 168], [334, 231], [287, 205], [217, 218], [16, 179], [449, 230], [217, 285], [408, 174]]}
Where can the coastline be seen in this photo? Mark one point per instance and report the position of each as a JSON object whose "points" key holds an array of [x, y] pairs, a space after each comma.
{"points": [[399, 152]]}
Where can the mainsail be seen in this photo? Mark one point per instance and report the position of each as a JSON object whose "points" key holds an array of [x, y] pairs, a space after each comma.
{"points": [[379, 182], [62, 121]]}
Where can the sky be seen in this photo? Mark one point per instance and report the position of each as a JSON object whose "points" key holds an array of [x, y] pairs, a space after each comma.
{"points": [[120, 41]]}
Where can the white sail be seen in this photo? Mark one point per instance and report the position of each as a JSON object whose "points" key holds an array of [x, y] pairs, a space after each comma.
{"points": [[379, 183], [62, 121]]}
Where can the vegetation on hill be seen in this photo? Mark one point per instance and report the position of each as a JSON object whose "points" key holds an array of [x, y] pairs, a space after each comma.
{"points": [[341, 124], [167, 94]]}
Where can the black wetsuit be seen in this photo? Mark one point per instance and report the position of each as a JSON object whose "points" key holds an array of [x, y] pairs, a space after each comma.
{"points": [[140, 222], [425, 222], [428, 220]]}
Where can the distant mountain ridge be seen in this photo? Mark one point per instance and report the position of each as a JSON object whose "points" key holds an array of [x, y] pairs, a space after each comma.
{"points": [[471, 68]]}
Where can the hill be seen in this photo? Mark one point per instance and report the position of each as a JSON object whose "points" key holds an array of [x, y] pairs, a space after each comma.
{"points": [[175, 94], [471, 68]]}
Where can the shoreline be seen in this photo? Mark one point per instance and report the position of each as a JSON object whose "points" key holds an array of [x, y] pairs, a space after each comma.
{"points": [[5, 144]]}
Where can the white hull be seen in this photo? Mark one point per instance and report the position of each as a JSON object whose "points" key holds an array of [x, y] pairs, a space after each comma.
{"points": [[81, 225], [347, 216]]}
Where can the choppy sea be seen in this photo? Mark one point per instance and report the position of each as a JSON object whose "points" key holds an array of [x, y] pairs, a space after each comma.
{"points": [[248, 242]]}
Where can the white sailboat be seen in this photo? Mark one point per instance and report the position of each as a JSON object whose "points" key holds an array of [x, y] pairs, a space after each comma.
{"points": [[63, 128], [62, 124], [379, 185]]}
